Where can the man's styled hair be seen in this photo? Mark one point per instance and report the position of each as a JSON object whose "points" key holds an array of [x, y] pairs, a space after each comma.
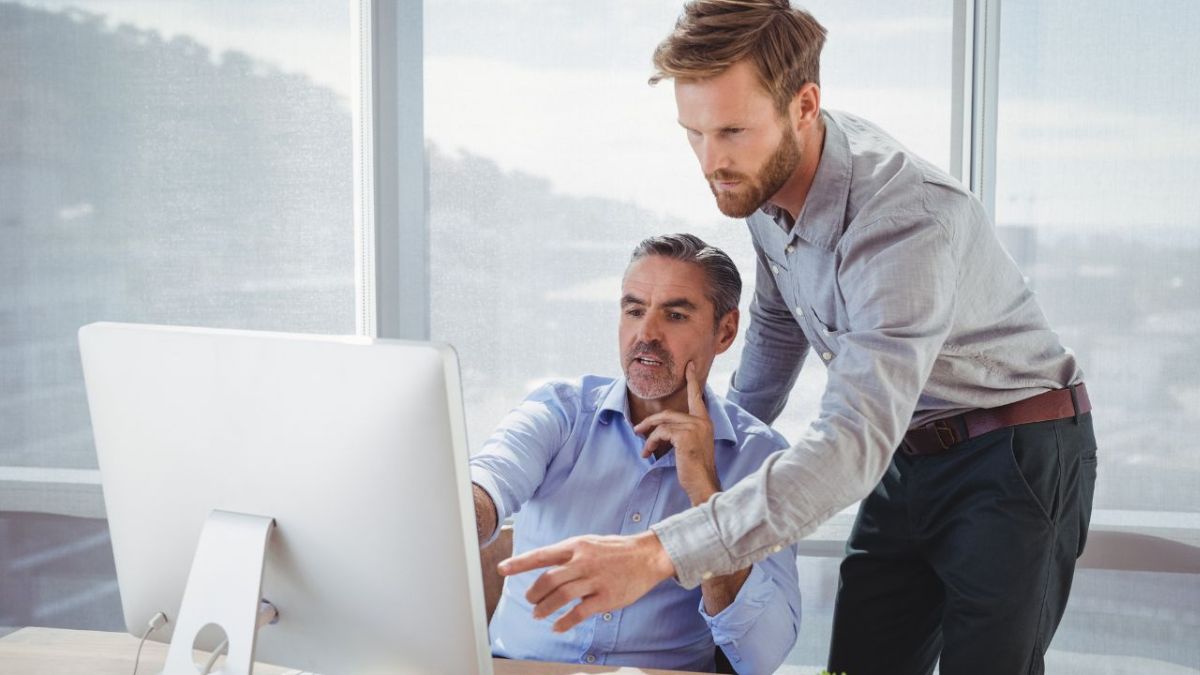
{"points": [[724, 282], [783, 43]]}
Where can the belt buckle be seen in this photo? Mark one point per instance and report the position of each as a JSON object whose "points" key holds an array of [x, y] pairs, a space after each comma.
{"points": [[946, 435]]}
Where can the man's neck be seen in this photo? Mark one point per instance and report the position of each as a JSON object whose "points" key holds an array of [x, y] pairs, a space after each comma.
{"points": [[640, 408], [794, 192]]}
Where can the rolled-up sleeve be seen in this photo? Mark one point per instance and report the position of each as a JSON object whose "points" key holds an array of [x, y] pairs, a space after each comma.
{"points": [[759, 628], [899, 279], [512, 463]]}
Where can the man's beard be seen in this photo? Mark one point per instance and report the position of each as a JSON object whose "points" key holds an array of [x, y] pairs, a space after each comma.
{"points": [[650, 383], [751, 194]]}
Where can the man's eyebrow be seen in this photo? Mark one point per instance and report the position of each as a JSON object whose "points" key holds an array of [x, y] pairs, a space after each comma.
{"points": [[681, 303], [673, 303]]}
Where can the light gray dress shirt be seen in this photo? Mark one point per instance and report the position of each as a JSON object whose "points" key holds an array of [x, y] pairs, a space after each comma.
{"points": [[894, 277]]}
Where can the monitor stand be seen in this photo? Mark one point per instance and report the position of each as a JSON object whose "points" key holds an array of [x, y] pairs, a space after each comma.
{"points": [[224, 588]]}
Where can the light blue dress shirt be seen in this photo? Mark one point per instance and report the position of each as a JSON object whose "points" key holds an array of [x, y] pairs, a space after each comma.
{"points": [[567, 462]]}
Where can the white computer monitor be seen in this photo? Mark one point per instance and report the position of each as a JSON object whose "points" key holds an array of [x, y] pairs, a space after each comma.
{"points": [[355, 447]]}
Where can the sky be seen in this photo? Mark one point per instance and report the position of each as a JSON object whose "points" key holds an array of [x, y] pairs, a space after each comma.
{"points": [[1098, 112]]}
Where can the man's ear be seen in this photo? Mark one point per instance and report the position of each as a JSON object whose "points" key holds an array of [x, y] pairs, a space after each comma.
{"points": [[805, 108], [727, 330]]}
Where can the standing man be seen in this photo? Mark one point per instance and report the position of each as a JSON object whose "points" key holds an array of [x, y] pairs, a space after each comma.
{"points": [[952, 410]]}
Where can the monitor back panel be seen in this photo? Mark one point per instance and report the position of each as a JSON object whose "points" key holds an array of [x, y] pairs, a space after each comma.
{"points": [[356, 447]]}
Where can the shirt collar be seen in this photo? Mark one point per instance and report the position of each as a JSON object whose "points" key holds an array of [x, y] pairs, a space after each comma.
{"points": [[821, 218], [616, 402]]}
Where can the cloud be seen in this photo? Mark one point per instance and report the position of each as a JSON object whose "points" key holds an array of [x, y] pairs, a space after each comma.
{"points": [[605, 132]]}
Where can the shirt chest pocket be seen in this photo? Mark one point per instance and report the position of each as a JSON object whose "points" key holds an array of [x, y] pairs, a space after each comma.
{"points": [[798, 290], [825, 335]]}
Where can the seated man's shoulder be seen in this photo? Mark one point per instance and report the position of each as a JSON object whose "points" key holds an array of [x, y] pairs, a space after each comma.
{"points": [[752, 433], [580, 395]]}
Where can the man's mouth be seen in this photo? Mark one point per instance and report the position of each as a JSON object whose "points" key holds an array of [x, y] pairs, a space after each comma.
{"points": [[647, 361], [727, 185]]}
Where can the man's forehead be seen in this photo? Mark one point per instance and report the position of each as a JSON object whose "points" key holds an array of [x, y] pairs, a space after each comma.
{"points": [[729, 96], [657, 279], [646, 290]]}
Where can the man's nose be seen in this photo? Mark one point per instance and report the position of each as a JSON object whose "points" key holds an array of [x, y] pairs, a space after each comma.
{"points": [[650, 330], [712, 157]]}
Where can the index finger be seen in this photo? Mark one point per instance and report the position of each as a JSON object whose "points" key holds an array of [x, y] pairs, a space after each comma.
{"points": [[546, 556], [695, 391]]}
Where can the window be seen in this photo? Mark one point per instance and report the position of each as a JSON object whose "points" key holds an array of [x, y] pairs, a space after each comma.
{"points": [[1097, 159], [159, 163]]}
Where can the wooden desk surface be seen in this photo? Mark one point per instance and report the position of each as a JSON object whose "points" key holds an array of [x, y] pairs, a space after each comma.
{"points": [[46, 651]]}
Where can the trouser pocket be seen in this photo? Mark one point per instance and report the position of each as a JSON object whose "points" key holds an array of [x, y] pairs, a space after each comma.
{"points": [[1036, 465]]}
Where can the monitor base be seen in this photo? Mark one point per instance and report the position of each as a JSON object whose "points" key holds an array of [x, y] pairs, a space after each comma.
{"points": [[224, 588]]}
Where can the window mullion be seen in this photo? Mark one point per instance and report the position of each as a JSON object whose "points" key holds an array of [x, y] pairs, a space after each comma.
{"points": [[391, 232], [974, 92]]}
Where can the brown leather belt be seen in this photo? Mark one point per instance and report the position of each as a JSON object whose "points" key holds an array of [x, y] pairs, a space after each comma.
{"points": [[940, 435]]}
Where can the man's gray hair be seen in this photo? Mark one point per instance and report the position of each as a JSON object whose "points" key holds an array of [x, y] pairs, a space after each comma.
{"points": [[724, 282]]}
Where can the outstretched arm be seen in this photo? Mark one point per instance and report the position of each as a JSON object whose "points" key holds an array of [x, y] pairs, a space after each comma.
{"points": [[513, 461], [485, 514], [605, 572]]}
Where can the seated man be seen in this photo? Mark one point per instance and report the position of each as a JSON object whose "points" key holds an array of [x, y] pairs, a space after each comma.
{"points": [[611, 456]]}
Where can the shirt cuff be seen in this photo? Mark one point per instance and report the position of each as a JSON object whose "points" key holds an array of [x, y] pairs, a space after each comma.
{"points": [[733, 622], [694, 545], [484, 479]]}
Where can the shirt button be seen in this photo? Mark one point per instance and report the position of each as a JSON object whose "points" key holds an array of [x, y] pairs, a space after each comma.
{"points": [[706, 576], [590, 658], [827, 356], [790, 248], [607, 616], [799, 311], [777, 549], [775, 269], [637, 517]]}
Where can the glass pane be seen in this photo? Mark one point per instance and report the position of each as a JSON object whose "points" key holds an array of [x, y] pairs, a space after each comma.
{"points": [[1097, 163], [184, 163], [1098, 159], [550, 158], [1128, 622]]}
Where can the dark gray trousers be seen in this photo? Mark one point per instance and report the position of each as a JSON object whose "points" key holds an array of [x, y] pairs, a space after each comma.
{"points": [[967, 555]]}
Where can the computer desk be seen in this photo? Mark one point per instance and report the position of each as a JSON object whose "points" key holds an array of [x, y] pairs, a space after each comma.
{"points": [[56, 651]]}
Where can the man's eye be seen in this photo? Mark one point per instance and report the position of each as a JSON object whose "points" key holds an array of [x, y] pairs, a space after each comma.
{"points": [[676, 316], [734, 131], [633, 312]]}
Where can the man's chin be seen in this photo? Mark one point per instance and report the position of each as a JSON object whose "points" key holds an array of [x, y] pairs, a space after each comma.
{"points": [[736, 207], [650, 393]]}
